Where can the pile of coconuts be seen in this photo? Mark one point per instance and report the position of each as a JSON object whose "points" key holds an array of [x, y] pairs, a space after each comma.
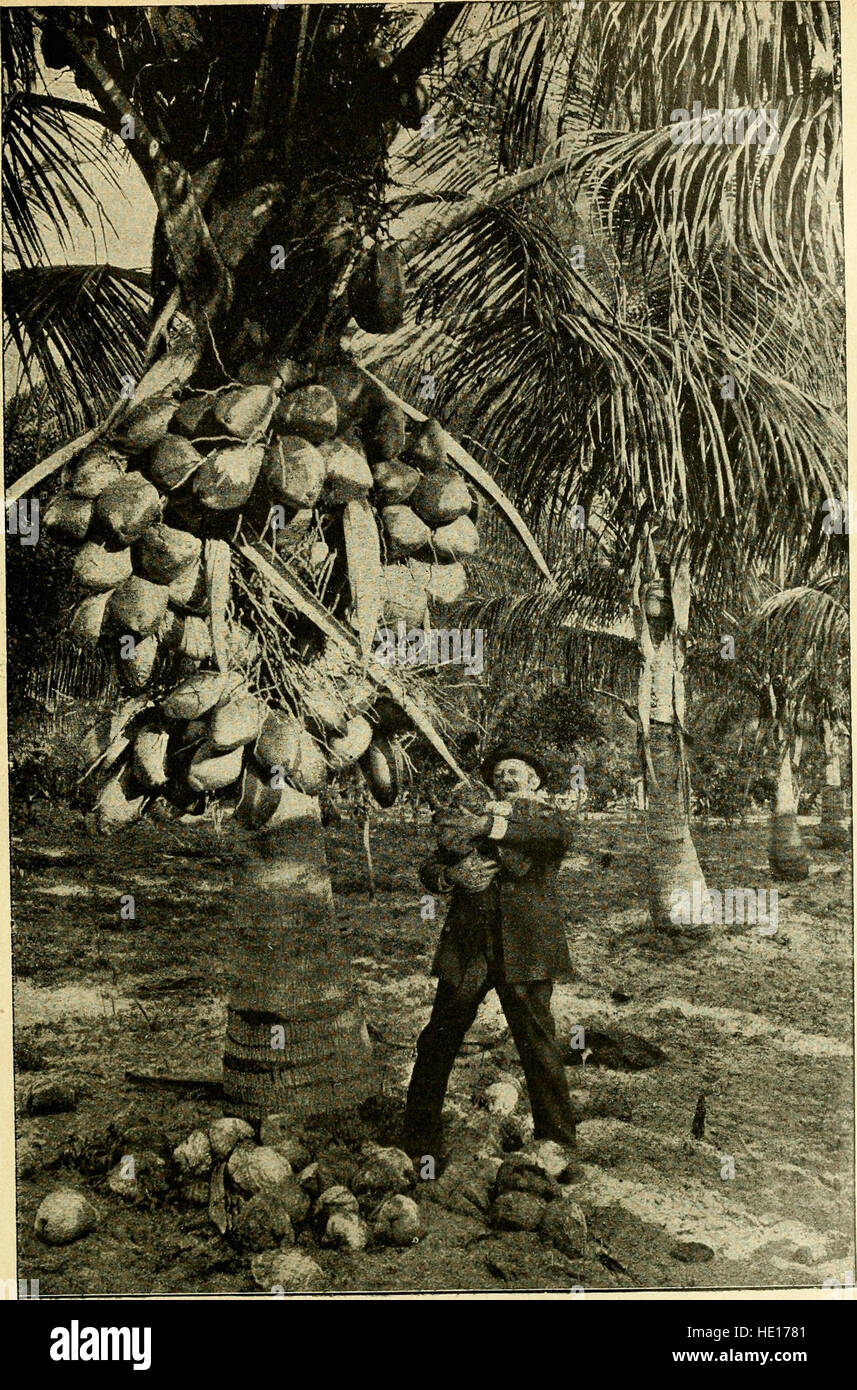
{"points": [[152, 508]]}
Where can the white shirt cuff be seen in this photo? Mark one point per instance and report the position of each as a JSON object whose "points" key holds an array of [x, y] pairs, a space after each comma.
{"points": [[500, 811]]}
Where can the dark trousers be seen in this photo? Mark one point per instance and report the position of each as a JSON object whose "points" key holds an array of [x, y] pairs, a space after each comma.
{"points": [[527, 1009]]}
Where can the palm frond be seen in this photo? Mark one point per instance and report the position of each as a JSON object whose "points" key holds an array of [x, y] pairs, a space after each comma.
{"points": [[79, 328]]}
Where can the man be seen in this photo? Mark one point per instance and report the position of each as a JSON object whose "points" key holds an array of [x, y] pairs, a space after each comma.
{"points": [[503, 931]]}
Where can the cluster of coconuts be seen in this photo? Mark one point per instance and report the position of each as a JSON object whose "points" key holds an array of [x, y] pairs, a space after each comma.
{"points": [[149, 507]]}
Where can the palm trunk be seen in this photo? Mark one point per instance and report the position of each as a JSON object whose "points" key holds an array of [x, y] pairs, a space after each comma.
{"points": [[787, 853], [295, 1039], [834, 828], [675, 879]]}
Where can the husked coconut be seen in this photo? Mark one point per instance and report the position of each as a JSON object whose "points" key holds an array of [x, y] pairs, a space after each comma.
{"points": [[98, 568], [447, 583], [87, 620], [127, 507], [95, 468], [211, 771], [395, 480], [406, 532], [347, 474], [145, 424], [174, 461], [137, 666], [441, 497], [68, 518], [310, 411], [293, 471], [235, 723], [244, 410], [164, 552], [228, 476], [199, 694], [138, 605], [457, 541]]}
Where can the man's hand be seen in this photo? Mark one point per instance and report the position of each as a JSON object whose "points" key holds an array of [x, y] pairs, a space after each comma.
{"points": [[473, 874], [458, 828]]}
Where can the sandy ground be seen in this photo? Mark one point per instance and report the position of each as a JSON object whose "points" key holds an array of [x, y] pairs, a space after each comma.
{"points": [[760, 1025]]}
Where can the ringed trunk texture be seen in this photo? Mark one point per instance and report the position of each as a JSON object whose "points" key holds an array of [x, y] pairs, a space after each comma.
{"points": [[787, 853], [673, 867], [296, 1042], [835, 825]]}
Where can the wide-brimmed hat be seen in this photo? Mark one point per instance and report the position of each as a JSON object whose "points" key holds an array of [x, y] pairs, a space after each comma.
{"points": [[503, 752]]}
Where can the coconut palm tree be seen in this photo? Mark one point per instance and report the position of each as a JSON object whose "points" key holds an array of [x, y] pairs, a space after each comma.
{"points": [[680, 360], [275, 143]]}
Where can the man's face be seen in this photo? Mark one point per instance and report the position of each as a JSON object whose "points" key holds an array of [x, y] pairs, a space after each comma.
{"points": [[513, 778]]}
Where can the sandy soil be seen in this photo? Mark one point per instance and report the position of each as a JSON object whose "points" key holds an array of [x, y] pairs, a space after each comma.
{"points": [[761, 1026]]}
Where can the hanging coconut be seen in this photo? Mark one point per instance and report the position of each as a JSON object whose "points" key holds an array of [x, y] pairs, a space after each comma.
{"points": [[171, 630], [348, 387], [164, 552], [127, 507], [245, 410], [98, 568], [95, 468], [309, 412], [395, 480], [228, 476], [235, 723], [145, 424], [376, 290], [429, 449], [457, 541], [187, 590], [293, 471], [194, 415], [347, 474], [68, 518], [342, 752], [447, 583], [387, 436], [406, 533], [258, 801], [150, 757], [211, 771], [194, 731], [195, 641], [382, 767], [325, 710], [278, 743], [138, 665], [116, 805], [137, 605], [405, 595], [87, 620], [174, 461], [441, 497], [281, 373], [199, 694], [309, 773]]}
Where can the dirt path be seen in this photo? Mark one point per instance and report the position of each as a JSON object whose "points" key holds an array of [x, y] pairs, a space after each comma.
{"points": [[759, 1025]]}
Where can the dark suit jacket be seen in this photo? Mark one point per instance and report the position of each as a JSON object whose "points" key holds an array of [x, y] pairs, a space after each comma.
{"points": [[523, 902]]}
